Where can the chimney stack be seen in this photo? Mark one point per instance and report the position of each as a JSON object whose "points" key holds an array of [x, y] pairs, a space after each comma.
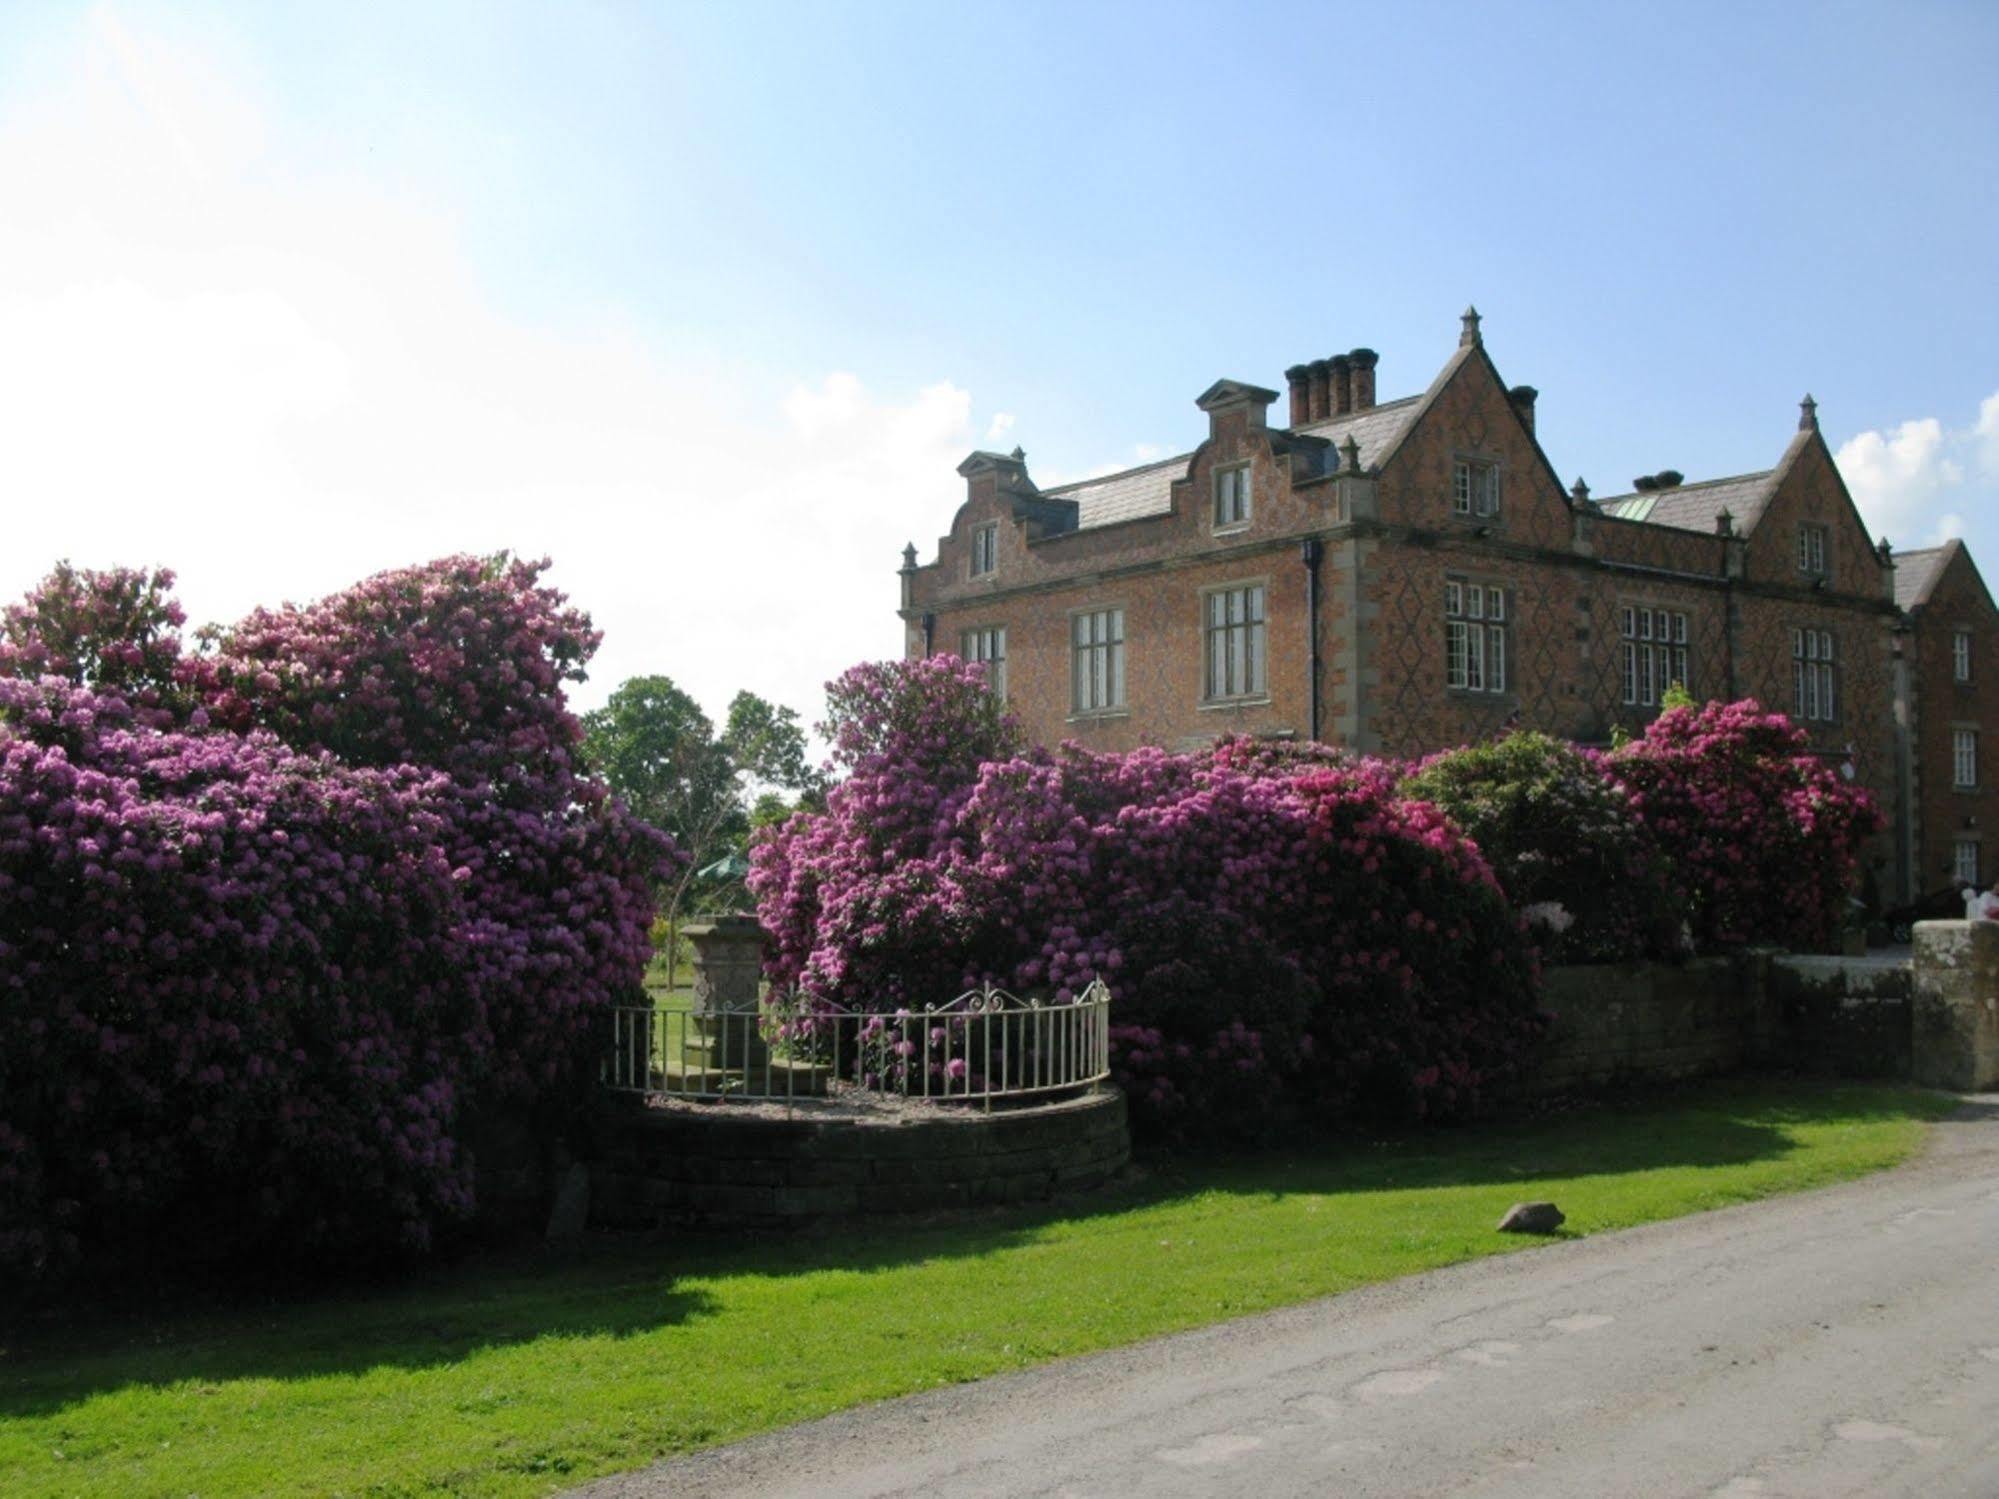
{"points": [[1339, 386], [1299, 377], [1523, 398], [1332, 387], [1361, 363]]}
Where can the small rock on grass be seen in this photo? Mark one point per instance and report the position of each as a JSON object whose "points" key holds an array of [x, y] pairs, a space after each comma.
{"points": [[1532, 1218]]}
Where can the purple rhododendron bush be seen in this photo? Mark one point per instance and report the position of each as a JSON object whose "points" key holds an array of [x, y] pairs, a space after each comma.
{"points": [[1281, 932], [277, 915], [1764, 835]]}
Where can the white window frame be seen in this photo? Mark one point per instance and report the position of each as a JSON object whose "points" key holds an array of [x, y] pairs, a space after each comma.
{"points": [[1233, 498], [1235, 643], [1960, 656], [1654, 652], [1475, 488], [1964, 869], [1475, 644], [987, 644], [1813, 544], [1814, 675], [985, 549], [1964, 758], [1096, 661]]}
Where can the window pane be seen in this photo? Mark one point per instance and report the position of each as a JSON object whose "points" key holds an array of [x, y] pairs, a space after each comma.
{"points": [[1496, 665], [1475, 660], [1454, 598], [1629, 622], [1117, 666], [1495, 603], [1454, 653], [1630, 672]]}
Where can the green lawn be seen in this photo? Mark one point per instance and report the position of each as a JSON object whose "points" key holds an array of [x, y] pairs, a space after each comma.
{"points": [[528, 1372]]}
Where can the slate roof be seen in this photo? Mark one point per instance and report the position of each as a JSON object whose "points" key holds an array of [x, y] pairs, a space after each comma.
{"points": [[1148, 490], [1125, 496], [1693, 507], [1916, 573]]}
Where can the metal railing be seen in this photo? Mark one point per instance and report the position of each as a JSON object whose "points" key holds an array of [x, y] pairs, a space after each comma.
{"points": [[984, 1046]]}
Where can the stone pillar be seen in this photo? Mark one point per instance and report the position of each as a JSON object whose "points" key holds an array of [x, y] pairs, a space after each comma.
{"points": [[728, 971], [728, 961], [1955, 1030]]}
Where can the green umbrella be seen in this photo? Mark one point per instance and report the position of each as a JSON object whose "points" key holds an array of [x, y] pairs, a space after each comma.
{"points": [[728, 867]]}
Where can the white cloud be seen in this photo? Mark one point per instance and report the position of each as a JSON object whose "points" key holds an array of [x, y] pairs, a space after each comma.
{"points": [[279, 384], [1001, 425], [1900, 479]]}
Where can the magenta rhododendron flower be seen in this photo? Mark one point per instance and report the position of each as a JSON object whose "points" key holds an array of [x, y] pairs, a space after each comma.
{"points": [[276, 916]]}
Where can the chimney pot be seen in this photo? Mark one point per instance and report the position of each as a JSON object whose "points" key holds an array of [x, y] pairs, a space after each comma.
{"points": [[1361, 363], [1299, 378], [1339, 385], [1320, 405], [1523, 398]]}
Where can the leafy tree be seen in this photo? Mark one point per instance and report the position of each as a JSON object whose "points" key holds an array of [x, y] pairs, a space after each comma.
{"points": [[659, 751]]}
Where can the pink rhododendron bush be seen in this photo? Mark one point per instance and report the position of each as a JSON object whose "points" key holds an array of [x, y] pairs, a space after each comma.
{"points": [[276, 914], [1281, 932], [1763, 835]]}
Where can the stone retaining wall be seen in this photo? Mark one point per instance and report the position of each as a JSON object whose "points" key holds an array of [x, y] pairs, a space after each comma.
{"points": [[714, 1164], [1617, 1023]]}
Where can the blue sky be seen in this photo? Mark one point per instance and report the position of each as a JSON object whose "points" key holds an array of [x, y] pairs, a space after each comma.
{"points": [[706, 301]]}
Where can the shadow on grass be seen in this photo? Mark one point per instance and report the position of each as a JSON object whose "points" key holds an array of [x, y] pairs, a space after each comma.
{"points": [[614, 1287]]}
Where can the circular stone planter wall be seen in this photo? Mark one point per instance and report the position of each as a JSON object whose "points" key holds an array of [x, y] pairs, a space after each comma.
{"points": [[749, 1166]]}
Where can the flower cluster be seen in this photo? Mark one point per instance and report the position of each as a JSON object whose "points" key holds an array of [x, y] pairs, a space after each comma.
{"points": [[276, 917], [1763, 835], [1563, 838], [1358, 939]]}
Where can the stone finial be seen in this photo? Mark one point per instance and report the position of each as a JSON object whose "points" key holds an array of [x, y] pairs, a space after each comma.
{"points": [[1808, 414], [1579, 491], [1019, 455], [909, 558], [1469, 333], [1724, 522], [1885, 552], [1350, 455]]}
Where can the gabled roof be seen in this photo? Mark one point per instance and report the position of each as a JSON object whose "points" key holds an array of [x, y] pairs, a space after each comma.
{"points": [[1138, 492], [1693, 507], [1916, 574]]}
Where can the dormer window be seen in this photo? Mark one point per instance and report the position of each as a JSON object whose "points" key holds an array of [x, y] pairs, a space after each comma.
{"points": [[1475, 488], [1811, 550], [985, 550], [1232, 498]]}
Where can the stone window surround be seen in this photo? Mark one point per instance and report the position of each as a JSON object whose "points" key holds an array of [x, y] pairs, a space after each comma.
{"points": [[1957, 780], [1216, 524], [1122, 707], [1477, 461], [1488, 625], [1246, 699], [1676, 651], [1814, 549], [985, 540]]}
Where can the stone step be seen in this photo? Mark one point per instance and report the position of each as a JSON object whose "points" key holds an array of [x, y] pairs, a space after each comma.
{"points": [[784, 1079]]}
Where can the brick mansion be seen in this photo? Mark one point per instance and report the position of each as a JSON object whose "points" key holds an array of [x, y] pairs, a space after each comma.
{"points": [[1401, 576]]}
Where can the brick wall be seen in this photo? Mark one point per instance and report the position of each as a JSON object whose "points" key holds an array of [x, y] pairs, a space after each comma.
{"points": [[1947, 812]]}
